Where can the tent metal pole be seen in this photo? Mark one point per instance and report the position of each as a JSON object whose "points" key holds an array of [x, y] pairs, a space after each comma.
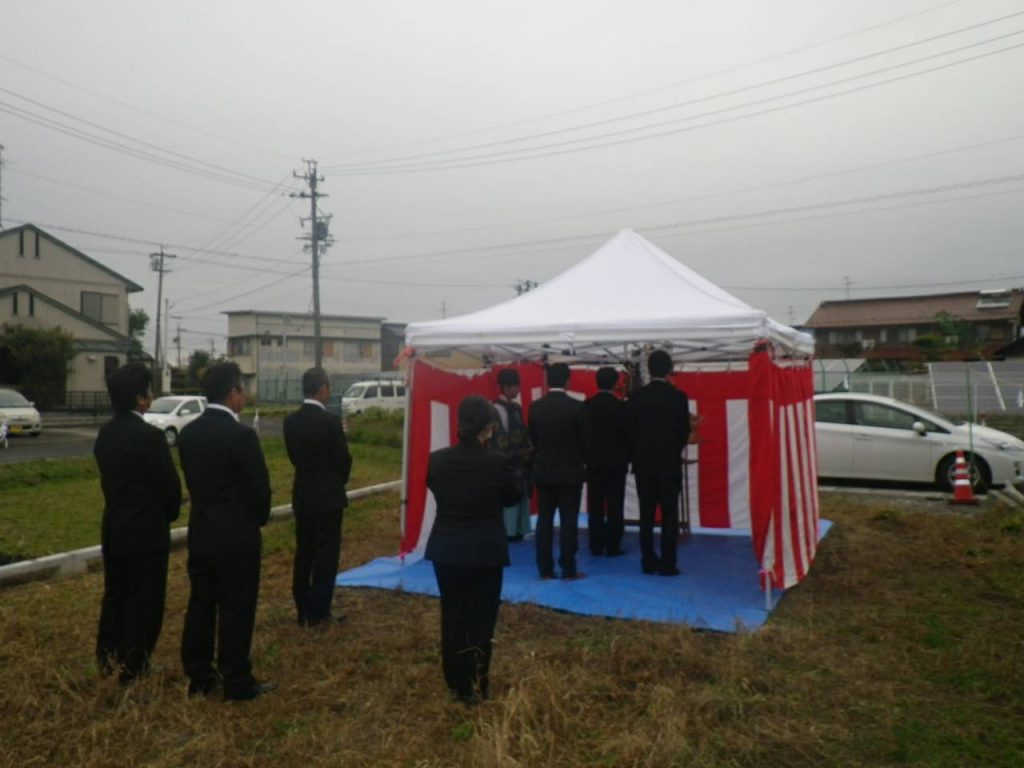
{"points": [[405, 445], [768, 590]]}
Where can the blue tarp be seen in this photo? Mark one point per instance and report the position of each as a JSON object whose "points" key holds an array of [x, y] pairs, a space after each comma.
{"points": [[718, 588]]}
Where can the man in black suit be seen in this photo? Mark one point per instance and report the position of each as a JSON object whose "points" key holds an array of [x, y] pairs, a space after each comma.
{"points": [[319, 452], [607, 463], [230, 488], [142, 495], [660, 421], [558, 432]]}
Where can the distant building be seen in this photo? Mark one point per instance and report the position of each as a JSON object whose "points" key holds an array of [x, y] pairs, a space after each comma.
{"points": [[392, 343], [46, 283], [274, 348], [910, 328]]}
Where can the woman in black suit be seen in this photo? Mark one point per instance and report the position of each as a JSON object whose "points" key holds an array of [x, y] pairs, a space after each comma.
{"points": [[472, 485]]}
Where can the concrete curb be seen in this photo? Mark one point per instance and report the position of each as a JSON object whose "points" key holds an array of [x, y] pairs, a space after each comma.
{"points": [[79, 561]]}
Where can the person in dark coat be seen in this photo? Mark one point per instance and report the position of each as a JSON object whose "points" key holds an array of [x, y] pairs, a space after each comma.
{"points": [[318, 450], [230, 488], [660, 425], [510, 437], [607, 464], [558, 432], [142, 497], [471, 484]]}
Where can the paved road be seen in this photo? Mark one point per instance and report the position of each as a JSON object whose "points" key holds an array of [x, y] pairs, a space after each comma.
{"points": [[62, 442]]}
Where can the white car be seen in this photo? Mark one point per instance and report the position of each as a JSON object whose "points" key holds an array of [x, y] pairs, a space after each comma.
{"points": [[20, 414], [867, 437], [173, 412], [383, 393]]}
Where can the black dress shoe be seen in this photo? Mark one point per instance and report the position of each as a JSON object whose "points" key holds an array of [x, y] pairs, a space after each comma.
{"points": [[673, 571], [614, 552], [248, 694], [326, 621], [197, 688]]}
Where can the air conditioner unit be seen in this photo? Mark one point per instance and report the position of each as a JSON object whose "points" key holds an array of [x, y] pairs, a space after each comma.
{"points": [[867, 344]]}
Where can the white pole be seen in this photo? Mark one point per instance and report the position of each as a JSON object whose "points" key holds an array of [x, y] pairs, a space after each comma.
{"points": [[405, 443], [768, 590]]}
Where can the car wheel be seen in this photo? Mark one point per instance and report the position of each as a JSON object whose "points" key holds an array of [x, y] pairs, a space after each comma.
{"points": [[172, 436], [980, 474], [36, 434]]}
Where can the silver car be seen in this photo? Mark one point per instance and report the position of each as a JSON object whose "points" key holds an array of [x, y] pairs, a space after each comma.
{"points": [[19, 414], [867, 437], [173, 412]]}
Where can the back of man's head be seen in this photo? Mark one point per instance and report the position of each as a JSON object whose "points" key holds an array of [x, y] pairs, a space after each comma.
{"points": [[220, 379], [606, 377], [126, 384], [508, 377], [558, 375], [659, 363], [313, 380]]}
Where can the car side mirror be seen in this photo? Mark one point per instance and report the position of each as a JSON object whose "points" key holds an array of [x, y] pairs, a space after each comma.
{"points": [[920, 428]]}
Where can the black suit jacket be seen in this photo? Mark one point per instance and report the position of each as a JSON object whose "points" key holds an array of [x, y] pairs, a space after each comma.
{"points": [[228, 481], [471, 485], [608, 423], [318, 450], [660, 421], [141, 489], [558, 431]]}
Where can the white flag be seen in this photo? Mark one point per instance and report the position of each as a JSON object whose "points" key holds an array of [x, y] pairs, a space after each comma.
{"points": [[1020, 397], [256, 422]]}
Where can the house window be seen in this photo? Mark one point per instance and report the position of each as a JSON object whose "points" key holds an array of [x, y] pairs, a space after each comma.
{"points": [[239, 347], [101, 307], [14, 303], [358, 351], [328, 348], [307, 349], [37, 245], [21, 242], [32, 305]]}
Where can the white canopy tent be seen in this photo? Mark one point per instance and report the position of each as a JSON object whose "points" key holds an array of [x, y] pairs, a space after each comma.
{"points": [[628, 292]]}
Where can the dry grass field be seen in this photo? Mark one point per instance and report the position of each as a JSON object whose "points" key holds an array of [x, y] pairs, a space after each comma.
{"points": [[905, 646]]}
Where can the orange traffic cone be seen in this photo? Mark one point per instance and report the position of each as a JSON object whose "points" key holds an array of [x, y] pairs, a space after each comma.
{"points": [[962, 491]]}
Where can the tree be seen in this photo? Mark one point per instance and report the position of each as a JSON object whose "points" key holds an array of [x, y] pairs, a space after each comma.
{"points": [[198, 362], [138, 320], [42, 359]]}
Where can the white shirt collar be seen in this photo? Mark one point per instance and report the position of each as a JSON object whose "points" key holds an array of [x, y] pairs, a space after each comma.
{"points": [[139, 415], [556, 389], [311, 401], [224, 408]]}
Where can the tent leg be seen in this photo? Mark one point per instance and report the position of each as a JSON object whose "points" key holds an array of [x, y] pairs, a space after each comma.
{"points": [[768, 591], [404, 501]]}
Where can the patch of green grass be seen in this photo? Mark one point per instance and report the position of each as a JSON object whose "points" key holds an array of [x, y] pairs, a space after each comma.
{"points": [[56, 505]]}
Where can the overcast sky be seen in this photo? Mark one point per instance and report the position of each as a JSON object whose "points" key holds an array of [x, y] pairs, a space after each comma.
{"points": [[791, 151]]}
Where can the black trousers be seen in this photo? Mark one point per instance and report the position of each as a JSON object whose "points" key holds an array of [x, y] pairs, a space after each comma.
{"points": [[132, 611], [606, 494], [566, 499], [470, 598], [222, 603], [658, 491], [317, 552]]}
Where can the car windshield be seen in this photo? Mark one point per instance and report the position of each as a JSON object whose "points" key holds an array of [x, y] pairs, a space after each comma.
{"points": [[356, 390], [164, 405], [12, 399]]}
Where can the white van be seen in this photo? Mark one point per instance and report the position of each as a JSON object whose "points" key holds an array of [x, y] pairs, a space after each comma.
{"points": [[388, 394]]}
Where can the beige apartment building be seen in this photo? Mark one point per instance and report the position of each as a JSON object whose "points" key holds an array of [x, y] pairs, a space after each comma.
{"points": [[273, 349], [46, 283]]}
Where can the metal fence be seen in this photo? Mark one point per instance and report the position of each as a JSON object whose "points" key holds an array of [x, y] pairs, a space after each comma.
{"points": [[980, 388]]}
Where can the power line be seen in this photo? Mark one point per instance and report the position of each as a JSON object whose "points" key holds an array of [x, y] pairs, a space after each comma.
{"points": [[694, 198], [233, 140], [670, 107], [562, 148], [187, 164], [676, 84]]}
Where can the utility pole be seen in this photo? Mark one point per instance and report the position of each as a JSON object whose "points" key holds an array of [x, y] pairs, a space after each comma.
{"points": [[156, 263], [318, 234], [177, 338], [524, 286], [1, 187], [847, 282]]}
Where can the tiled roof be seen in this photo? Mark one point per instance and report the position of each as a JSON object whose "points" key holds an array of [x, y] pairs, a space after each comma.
{"points": [[911, 310]]}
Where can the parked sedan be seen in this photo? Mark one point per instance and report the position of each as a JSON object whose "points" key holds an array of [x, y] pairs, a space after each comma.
{"points": [[867, 437], [20, 414], [174, 412]]}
